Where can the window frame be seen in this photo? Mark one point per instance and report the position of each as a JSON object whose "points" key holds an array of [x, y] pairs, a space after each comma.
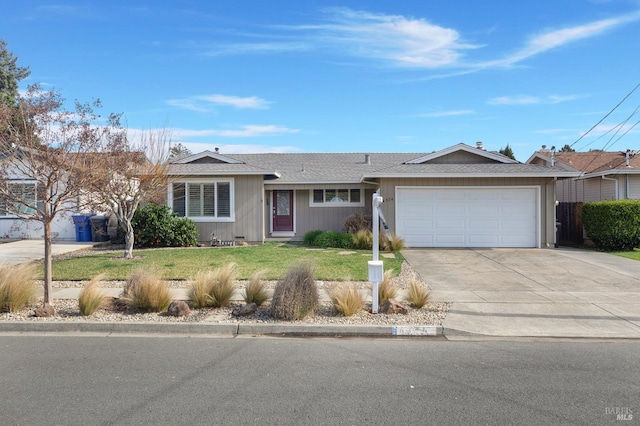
{"points": [[337, 190], [216, 209], [37, 204]]}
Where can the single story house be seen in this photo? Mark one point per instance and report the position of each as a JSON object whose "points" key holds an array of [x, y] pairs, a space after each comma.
{"points": [[602, 175], [461, 196]]}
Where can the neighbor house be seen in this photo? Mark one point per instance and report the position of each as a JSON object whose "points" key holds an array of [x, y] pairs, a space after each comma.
{"points": [[602, 175], [461, 196]]}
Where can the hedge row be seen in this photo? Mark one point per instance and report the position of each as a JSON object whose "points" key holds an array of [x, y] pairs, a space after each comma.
{"points": [[613, 225]]}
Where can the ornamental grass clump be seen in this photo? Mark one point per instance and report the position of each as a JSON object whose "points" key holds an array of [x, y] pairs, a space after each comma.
{"points": [[393, 243], [362, 239], [199, 292], [16, 287], [255, 291], [347, 300], [145, 291], [295, 295], [387, 289], [417, 295], [91, 298], [223, 286]]}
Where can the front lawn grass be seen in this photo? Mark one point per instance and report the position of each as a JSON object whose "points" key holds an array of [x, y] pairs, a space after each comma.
{"points": [[183, 263], [634, 254]]}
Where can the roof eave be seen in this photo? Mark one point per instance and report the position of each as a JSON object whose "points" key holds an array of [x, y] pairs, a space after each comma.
{"points": [[474, 175]]}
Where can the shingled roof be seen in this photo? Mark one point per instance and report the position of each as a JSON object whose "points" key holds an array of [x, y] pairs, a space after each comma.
{"points": [[304, 168], [597, 162]]}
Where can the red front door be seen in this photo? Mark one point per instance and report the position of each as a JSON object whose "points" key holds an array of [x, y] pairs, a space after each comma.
{"points": [[282, 207]]}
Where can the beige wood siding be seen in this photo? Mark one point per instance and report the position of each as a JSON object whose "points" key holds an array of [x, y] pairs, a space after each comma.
{"points": [[634, 187], [249, 220], [598, 189], [547, 197]]}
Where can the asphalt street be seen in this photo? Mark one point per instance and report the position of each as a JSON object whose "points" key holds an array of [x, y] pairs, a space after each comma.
{"points": [[101, 380]]}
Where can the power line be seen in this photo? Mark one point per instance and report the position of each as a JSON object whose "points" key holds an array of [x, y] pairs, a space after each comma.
{"points": [[607, 115]]}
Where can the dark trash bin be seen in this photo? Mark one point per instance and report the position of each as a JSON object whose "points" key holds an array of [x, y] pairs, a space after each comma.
{"points": [[83, 229], [99, 229]]}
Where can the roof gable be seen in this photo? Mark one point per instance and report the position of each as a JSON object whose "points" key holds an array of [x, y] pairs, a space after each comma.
{"points": [[462, 154], [207, 157]]}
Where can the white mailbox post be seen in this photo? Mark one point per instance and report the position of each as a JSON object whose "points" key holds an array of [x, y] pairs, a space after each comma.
{"points": [[376, 272]]}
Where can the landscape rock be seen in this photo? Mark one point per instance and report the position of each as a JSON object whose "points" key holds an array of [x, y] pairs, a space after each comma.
{"points": [[45, 311], [243, 311], [179, 308], [392, 306]]}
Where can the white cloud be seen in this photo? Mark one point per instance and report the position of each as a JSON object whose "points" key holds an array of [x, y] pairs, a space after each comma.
{"points": [[398, 39], [452, 113], [248, 48], [247, 131], [236, 101], [203, 103], [556, 38], [531, 100]]}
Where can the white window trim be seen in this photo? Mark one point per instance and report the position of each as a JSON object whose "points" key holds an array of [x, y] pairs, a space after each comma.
{"points": [[230, 181], [336, 203]]}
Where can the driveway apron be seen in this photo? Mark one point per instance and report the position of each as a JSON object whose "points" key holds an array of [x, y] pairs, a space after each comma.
{"points": [[533, 292]]}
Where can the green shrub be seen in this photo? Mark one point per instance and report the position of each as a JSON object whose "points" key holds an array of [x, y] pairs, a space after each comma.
{"points": [[255, 292], [309, 238], [295, 295], [347, 300], [91, 298], [145, 292], [358, 222], [158, 226], [16, 287], [333, 239], [417, 294], [613, 225]]}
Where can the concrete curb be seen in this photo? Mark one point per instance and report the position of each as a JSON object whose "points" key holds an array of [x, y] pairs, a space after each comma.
{"points": [[231, 330]]}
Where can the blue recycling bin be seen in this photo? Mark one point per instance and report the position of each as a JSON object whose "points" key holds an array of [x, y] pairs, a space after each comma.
{"points": [[83, 227]]}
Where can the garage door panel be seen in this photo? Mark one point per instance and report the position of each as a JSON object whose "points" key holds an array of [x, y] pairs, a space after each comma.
{"points": [[467, 217], [485, 225]]}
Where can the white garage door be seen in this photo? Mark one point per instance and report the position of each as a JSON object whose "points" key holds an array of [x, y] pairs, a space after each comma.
{"points": [[467, 217]]}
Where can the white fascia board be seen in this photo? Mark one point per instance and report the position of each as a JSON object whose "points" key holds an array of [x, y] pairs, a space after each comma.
{"points": [[629, 171], [223, 173]]}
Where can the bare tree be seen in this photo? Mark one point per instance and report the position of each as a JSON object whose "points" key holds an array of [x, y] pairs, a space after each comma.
{"points": [[44, 169], [128, 172]]}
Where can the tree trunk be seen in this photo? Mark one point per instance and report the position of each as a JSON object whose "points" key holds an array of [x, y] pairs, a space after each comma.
{"points": [[48, 294], [128, 240]]}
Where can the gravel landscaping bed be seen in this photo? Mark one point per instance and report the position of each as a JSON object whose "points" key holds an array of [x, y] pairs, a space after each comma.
{"points": [[67, 309]]}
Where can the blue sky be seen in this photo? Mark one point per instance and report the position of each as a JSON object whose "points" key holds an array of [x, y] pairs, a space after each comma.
{"points": [[344, 76]]}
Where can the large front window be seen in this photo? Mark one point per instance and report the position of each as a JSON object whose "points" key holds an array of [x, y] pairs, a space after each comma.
{"points": [[24, 191], [336, 197], [203, 199]]}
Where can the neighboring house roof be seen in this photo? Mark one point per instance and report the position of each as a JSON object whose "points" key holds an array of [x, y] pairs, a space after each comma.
{"points": [[304, 168], [594, 163]]}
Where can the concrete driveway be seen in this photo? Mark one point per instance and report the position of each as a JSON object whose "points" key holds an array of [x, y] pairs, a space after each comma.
{"points": [[22, 251], [533, 292]]}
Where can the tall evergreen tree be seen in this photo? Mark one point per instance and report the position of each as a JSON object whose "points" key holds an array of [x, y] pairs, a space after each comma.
{"points": [[567, 148], [10, 75], [507, 152]]}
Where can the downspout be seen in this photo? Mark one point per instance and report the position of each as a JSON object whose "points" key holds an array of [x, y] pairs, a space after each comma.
{"points": [[628, 188], [616, 186]]}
